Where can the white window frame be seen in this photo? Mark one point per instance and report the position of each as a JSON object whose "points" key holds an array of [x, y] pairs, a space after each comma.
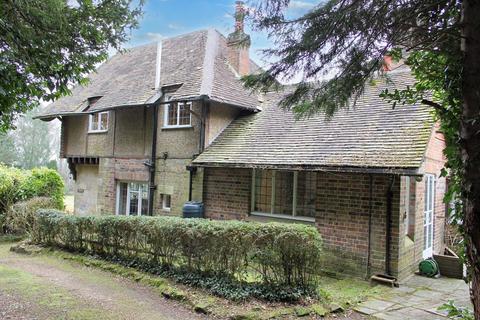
{"points": [[164, 202], [127, 204], [98, 115], [429, 212], [271, 214], [177, 105]]}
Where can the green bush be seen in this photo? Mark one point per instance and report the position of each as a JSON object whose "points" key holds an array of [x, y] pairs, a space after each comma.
{"points": [[20, 217], [19, 185], [274, 255]]}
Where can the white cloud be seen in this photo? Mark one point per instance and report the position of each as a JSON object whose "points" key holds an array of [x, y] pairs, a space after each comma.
{"points": [[300, 5], [154, 36], [174, 26]]}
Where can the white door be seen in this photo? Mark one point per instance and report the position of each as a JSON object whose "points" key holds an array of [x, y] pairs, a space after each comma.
{"points": [[428, 216]]}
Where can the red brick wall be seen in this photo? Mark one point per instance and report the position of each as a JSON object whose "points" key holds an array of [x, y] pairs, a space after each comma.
{"points": [[342, 211], [342, 218], [227, 193]]}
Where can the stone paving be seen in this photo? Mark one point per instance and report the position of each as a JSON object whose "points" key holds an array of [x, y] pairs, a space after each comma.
{"points": [[417, 298]]}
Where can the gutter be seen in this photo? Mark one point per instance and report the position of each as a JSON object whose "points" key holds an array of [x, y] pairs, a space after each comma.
{"points": [[410, 171]]}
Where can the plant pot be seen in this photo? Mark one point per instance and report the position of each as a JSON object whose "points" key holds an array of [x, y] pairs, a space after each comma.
{"points": [[449, 264]]}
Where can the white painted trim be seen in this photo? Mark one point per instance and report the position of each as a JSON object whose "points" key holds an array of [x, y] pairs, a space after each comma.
{"points": [[177, 125], [99, 116], [117, 204], [429, 216]]}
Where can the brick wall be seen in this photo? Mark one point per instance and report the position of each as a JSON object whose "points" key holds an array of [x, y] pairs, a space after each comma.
{"points": [[226, 193], [342, 214], [411, 246], [342, 217]]}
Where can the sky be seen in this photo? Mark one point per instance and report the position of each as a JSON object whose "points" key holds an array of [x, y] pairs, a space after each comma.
{"points": [[167, 18]]}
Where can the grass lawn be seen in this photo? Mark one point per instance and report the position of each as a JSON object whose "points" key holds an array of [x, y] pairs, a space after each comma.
{"points": [[339, 294]]}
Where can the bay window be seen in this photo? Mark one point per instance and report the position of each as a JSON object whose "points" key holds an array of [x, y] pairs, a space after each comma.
{"points": [[288, 194]]}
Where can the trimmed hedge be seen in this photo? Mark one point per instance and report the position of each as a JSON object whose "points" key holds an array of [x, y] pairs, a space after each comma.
{"points": [[20, 217], [19, 185], [271, 254]]}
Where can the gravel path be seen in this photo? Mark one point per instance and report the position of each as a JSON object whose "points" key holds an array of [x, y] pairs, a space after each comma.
{"points": [[42, 287]]}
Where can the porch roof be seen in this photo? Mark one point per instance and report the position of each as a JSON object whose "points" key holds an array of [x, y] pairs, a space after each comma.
{"points": [[368, 137]]}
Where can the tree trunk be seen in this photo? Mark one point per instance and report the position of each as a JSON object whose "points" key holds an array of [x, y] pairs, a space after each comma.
{"points": [[470, 141]]}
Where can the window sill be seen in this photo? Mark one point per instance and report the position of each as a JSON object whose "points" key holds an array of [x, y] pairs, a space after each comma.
{"points": [[97, 131], [176, 127], [280, 217]]}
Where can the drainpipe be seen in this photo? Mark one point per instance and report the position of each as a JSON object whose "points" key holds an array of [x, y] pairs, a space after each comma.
{"points": [[389, 227], [152, 164], [370, 211], [192, 171]]}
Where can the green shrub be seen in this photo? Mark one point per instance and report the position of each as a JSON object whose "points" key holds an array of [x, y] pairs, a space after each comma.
{"points": [[19, 185], [278, 255], [20, 217]]}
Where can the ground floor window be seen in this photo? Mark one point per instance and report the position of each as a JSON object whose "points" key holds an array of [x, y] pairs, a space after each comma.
{"points": [[287, 193], [166, 202], [132, 198]]}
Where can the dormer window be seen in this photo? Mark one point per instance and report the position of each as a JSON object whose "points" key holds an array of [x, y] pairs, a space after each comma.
{"points": [[98, 122], [178, 115]]}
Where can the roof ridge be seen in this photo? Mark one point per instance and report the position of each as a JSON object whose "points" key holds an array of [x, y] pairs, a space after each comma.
{"points": [[208, 68]]}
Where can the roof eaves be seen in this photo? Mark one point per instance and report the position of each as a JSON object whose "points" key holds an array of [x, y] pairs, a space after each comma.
{"points": [[410, 171]]}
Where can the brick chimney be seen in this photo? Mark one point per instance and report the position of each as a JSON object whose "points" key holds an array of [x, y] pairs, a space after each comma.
{"points": [[239, 42]]}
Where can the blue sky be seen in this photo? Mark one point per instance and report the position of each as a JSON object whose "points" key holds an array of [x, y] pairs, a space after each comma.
{"points": [[166, 18]]}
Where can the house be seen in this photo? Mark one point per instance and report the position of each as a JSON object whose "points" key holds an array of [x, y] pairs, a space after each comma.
{"points": [[170, 122]]}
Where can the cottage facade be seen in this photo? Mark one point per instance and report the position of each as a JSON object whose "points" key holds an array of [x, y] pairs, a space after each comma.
{"points": [[170, 122]]}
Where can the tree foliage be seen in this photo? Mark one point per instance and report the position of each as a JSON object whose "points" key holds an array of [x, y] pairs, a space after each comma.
{"points": [[46, 45], [348, 40]]}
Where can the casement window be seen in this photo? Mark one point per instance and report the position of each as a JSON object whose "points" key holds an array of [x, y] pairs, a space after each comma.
{"points": [[178, 115], [284, 194], [98, 122], [132, 198], [166, 202]]}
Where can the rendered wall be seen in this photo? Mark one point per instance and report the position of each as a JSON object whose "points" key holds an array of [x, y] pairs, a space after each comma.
{"points": [[86, 189]]}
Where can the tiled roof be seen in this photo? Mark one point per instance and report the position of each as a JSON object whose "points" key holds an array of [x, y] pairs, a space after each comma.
{"points": [[195, 61], [369, 135]]}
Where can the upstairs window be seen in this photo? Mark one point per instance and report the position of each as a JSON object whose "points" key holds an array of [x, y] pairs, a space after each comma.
{"points": [[178, 114], [98, 122]]}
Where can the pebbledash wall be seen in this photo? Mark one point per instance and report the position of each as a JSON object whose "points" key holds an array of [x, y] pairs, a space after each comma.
{"points": [[126, 146], [343, 210]]}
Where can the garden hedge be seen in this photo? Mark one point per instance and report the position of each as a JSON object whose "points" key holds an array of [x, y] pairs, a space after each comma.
{"points": [[273, 254]]}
